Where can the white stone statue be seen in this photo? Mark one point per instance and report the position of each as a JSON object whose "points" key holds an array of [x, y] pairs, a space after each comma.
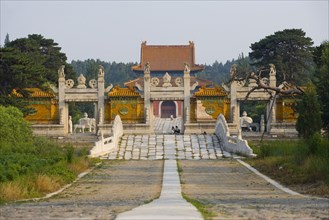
{"points": [[245, 121], [272, 70], [233, 71], [70, 125], [81, 82], [100, 71], [166, 80], [186, 68], [86, 122], [147, 68], [61, 73]]}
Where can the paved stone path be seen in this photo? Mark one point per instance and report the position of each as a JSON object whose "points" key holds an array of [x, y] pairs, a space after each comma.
{"points": [[164, 125], [158, 147], [170, 205]]}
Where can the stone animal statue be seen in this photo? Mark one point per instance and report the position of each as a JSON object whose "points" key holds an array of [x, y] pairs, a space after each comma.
{"points": [[245, 121], [81, 127], [89, 123]]}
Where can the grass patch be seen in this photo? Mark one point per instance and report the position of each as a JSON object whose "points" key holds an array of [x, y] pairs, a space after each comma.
{"points": [[33, 169], [203, 209], [295, 163]]}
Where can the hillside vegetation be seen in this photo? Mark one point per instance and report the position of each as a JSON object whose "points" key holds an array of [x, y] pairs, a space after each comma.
{"points": [[33, 166], [302, 165]]}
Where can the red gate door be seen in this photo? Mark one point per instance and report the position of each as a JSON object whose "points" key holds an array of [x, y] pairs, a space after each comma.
{"points": [[168, 108]]}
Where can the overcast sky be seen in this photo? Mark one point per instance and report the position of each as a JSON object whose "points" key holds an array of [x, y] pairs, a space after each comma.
{"points": [[114, 30]]}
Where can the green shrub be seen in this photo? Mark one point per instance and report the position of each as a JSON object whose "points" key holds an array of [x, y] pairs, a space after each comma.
{"points": [[14, 129], [309, 120], [69, 152]]}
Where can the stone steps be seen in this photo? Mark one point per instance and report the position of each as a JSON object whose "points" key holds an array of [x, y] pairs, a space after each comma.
{"points": [[168, 146], [80, 138]]}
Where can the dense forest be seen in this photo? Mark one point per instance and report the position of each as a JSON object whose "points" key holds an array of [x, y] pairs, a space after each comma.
{"points": [[119, 73]]}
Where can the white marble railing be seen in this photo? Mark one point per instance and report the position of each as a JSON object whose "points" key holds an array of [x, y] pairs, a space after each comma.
{"points": [[106, 145], [229, 143]]}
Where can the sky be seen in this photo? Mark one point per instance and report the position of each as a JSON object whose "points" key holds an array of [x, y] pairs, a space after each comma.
{"points": [[114, 30]]}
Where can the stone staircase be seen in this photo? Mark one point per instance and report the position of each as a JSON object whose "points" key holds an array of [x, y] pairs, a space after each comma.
{"points": [[82, 139], [159, 146]]}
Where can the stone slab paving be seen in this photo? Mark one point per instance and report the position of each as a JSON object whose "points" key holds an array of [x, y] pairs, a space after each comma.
{"points": [[170, 205], [164, 125], [169, 147]]}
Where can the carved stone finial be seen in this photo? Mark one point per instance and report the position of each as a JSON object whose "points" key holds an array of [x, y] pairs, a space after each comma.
{"points": [[187, 68], [100, 71], [81, 82], [166, 80], [147, 68], [233, 71], [61, 72], [272, 70]]}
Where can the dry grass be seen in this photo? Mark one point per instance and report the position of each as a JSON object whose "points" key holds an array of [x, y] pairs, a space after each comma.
{"points": [[79, 166], [29, 187], [12, 191], [46, 184]]}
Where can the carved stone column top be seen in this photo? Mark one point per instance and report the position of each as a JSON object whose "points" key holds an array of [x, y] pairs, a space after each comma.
{"points": [[147, 68], [81, 82], [272, 70], [100, 71], [187, 69], [233, 71], [61, 73]]}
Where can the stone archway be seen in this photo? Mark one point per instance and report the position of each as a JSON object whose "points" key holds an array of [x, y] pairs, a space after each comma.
{"points": [[168, 108]]}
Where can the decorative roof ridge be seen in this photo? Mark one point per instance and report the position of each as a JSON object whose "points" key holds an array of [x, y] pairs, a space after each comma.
{"points": [[117, 91], [34, 93], [212, 91], [191, 44]]}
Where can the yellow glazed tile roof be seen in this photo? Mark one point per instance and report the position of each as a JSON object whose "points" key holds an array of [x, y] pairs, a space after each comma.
{"points": [[123, 92], [203, 91], [34, 93]]}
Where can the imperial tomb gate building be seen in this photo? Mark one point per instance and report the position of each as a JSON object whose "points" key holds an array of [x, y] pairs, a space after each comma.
{"points": [[167, 87]]}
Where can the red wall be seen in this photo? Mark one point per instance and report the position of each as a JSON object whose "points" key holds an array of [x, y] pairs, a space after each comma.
{"points": [[156, 108]]}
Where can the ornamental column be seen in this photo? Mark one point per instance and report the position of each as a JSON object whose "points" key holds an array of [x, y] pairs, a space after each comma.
{"points": [[273, 100], [147, 91], [100, 88], [63, 113], [187, 92], [235, 108]]}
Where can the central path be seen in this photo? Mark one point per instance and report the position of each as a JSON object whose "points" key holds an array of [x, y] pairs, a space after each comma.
{"points": [[170, 205]]}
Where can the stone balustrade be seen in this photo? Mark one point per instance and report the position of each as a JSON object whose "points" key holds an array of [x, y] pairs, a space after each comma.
{"points": [[229, 143], [106, 145]]}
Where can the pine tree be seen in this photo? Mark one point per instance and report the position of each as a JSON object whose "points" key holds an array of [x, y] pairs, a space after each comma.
{"points": [[321, 59], [289, 50], [309, 119], [7, 41]]}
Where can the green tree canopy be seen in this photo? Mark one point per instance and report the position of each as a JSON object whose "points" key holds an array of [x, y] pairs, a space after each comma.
{"points": [[321, 59], [289, 50], [309, 119], [14, 129], [29, 62]]}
